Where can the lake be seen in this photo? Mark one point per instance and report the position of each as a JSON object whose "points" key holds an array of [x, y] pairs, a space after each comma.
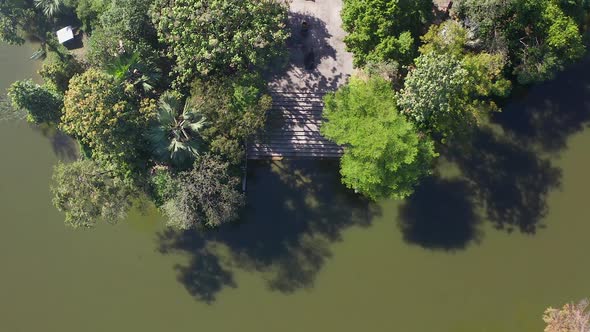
{"points": [[490, 241]]}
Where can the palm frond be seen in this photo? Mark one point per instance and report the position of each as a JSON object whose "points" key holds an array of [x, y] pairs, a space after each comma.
{"points": [[49, 7]]}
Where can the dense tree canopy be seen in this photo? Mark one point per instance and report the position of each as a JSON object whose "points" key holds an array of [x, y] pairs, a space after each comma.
{"points": [[450, 90], [538, 35], [41, 104], [123, 28], [382, 30], [88, 194], [235, 110], [385, 156], [220, 36], [58, 71], [176, 136], [206, 195], [98, 113], [15, 15]]}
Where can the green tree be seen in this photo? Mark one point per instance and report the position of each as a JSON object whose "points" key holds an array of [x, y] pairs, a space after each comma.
{"points": [[42, 105], [99, 114], [450, 90], [235, 109], [573, 317], [57, 71], [15, 17], [88, 11], [206, 196], [50, 8], [385, 155], [124, 28], [539, 36], [208, 37], [176, 138], [88, 194], [384, 30]]}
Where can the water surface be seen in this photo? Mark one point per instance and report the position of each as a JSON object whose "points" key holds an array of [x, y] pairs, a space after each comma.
{"points": [[485, 247]]}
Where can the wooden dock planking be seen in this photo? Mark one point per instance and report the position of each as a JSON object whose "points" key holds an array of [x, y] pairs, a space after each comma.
{"points": [[293, 129]]}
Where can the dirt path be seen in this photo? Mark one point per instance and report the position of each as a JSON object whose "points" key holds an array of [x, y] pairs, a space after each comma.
{"points": [[322, 46]]}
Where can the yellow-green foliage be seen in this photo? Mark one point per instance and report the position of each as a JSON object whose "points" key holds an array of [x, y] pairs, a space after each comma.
{"points": [[385, 156]]}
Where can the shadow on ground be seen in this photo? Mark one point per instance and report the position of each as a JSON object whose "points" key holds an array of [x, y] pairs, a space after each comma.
{"points": [[295, 211], [308, 51]]}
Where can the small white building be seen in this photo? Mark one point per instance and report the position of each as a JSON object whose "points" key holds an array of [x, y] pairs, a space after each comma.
{"points": [[65, 34]]}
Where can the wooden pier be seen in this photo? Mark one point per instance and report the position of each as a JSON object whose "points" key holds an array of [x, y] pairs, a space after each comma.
{"points": [[293, 129]]}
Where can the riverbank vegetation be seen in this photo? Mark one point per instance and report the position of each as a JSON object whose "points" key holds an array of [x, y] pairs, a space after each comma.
{"points": [[448, 71], [166, 92], [161, 101]]}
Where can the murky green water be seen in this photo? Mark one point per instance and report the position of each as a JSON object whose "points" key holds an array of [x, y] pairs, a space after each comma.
{"points": [[309, 256]]}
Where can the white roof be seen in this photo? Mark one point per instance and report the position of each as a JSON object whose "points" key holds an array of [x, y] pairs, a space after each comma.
{"points": [[65, 34]]}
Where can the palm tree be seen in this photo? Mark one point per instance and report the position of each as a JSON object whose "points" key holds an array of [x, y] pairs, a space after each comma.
{"points": [[130, 71], [177, 136], [49, 7]]}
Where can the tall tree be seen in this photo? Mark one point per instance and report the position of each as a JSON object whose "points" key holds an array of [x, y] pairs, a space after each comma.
{"points": [[207, 37], [206, 196], [539, 36], [88, 194], [15, 17], [449, 90], [385, 155], [99, 114], [384, 30], [235, 109], [176, 137]]}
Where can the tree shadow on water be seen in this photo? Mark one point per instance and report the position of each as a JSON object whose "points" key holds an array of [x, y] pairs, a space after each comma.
{"points": [[552, 111], [295, 211], [501, 181], [512, 182], [441, 215]]}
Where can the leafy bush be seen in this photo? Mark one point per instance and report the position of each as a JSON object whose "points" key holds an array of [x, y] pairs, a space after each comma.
{"points": [[88, 194], [58, 71], [43, 105], [235, 110], [206, 196]]}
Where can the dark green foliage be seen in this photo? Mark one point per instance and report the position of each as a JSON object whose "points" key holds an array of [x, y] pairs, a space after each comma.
{"points": [[208, 37], [138, 76], [235, 110], [50, 8], [42, 105], [384, 156], [15, 17], [88, 194], [162, 184], [206, 196], [539, 36], [177, 136], [88, 11], [384, 30], [124, 28], [57, 71]]}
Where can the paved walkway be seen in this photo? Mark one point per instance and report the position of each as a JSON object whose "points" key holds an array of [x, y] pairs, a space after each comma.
{"points": [[318, 63]]}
